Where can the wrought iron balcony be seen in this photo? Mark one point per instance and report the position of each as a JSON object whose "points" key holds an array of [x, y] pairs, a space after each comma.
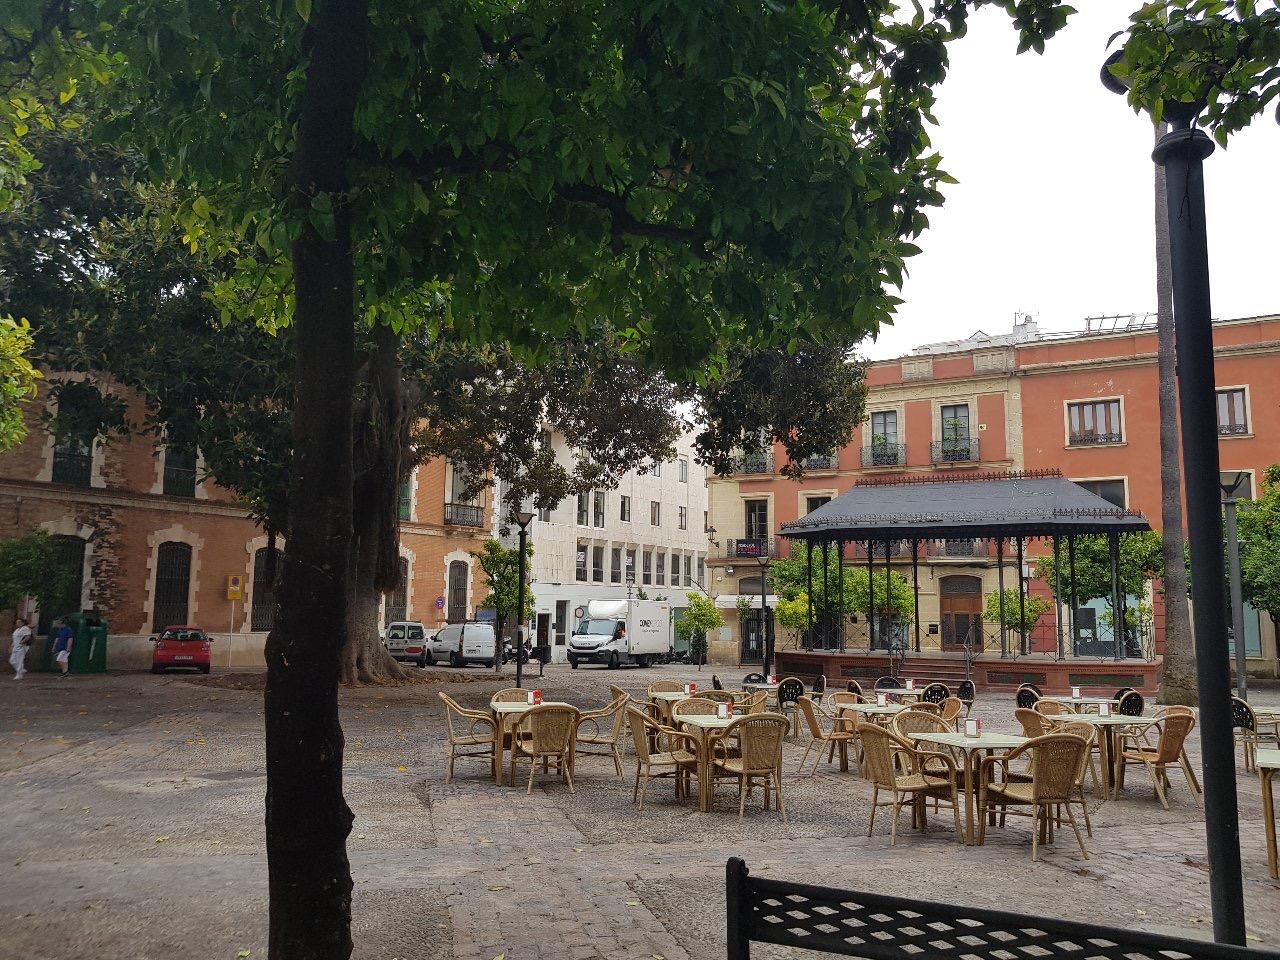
{"points": [[1094, 439], [954, 450], [751, 548], [884, 455], [72, 464], [463, 515], [179, 480], [761, 462], [956, 548], [1232, 429], [821, 461]]}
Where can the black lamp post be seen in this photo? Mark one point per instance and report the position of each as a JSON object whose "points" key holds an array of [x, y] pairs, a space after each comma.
{"points": [[1182, 152], [522, 519]]}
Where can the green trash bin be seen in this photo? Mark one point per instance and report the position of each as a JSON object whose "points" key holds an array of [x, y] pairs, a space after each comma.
{"points": [[89, 651]]}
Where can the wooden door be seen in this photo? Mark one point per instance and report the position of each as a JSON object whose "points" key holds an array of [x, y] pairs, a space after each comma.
{"points": [[960, 607]]}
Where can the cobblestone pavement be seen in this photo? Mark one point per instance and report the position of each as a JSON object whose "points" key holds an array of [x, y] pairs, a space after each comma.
{"points": [[132, 807]]}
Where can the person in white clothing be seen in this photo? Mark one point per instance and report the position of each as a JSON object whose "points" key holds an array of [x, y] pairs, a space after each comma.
{"points": [[18, 652]]}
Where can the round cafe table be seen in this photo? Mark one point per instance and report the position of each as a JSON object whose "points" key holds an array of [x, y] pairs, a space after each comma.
{"points": [[972, 749], [507, 713], [701, 727]]}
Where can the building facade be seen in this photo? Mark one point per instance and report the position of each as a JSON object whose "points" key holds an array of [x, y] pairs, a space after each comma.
{"points": [[643, 538], [1083, 403], [150, 542]]}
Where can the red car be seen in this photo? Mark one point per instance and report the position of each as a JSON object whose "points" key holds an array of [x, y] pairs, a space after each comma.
{"points": [[180, 648]]}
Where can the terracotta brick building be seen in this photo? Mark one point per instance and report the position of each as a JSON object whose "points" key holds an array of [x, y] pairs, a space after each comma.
{"points": [[1084, 403], [150, 543]]}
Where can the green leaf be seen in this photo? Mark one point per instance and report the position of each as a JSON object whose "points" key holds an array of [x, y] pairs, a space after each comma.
{"points": [[304, 9]]}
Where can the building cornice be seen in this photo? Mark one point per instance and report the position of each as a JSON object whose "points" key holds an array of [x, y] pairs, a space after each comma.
{"points": [[1143, 359]]}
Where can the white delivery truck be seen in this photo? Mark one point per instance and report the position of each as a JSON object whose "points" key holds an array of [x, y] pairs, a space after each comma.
{"points": [[616, 632]]}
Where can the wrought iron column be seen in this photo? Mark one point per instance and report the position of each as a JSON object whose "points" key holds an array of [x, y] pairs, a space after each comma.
{"points": [[1057, 594], [826, 590], [1117, 624], [1075, 610], [1022, 605], [915, 585], [840, 562], [808, 553], [1004, 633], [766, 646], [871, 595], [1182, 152]]}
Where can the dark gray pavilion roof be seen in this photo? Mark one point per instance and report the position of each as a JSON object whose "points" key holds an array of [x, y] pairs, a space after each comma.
{"points": [[1036, 503]]}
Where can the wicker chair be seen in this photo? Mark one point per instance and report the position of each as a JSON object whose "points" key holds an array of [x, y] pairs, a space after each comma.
{"points": [[510, 695], [838, 736], [926, 707], [1033, 722], [756, 703], [853, 686], [753, 678], [885, 683], [921, 721], [693, 707], [1032, 686], [819, 688], [674, 762], [1051, 708], [951, 708], [1026, 697], [1245, 723], [758, 757], [476, 739], [1168, 752], [715, 683], [789, 691], [881, 748], [1089, 734], [1055, 767], [601, 731], [718, 696], [545, 733], [1131, 704], [665, 686], [935, 693], [967, 691], [1121, 692]]}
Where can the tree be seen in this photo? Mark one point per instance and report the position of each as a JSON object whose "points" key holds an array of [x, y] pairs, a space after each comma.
{"points": [[501, 568], [1224, 55], [752, 178], [1179, 645], [1141, 559], [792, 615], [18, 379], [30, 567], [1035, 607], [789, 577], [700, 617], [1259, 534]]}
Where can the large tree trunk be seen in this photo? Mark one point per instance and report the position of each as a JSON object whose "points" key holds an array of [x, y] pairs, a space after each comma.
{"points": [[380, 434], [307, 818], [1179, 647]]}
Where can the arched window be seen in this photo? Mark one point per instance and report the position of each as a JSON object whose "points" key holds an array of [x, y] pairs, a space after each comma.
{"points": [[264, 589], [459, 574], [70, 560], [398, 600], [173, 585]]}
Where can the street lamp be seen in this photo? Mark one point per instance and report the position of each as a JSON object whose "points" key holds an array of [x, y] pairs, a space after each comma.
{"points": [[1182, 152], [522, 519], [1230, 482]]}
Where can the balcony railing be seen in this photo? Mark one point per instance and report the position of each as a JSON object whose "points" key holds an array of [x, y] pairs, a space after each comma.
{"points": [[179, 481], [751, 548], [754, 463], [72, 465], [1232, 429], [464, 515], [884, 455], [1094, 439], [821, 461], [956, 548], [954, 450]]}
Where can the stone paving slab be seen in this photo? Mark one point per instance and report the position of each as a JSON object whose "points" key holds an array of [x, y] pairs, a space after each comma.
{"points": [[133, 812]]}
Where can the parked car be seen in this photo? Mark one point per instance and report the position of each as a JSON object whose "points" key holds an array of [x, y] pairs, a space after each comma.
{"points": [[407, 640], [463, 643], [180, 648]]}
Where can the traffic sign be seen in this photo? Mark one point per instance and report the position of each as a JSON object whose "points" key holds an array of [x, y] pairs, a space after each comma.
{"points": [[235, 587], [579, 612], [439, 603]]}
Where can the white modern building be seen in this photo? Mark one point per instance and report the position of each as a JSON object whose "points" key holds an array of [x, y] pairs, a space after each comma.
{"points": [[645, 537]]}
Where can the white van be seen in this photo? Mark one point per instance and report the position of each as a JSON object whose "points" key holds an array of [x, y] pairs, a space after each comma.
{"points": [[407, 640], [461, 643]]}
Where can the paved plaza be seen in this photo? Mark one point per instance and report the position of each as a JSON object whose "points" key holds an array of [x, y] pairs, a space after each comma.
{"points": [[132, 807]]}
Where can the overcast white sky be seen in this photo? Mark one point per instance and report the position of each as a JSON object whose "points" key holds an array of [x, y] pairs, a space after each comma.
{"points": [[1053, 213]]}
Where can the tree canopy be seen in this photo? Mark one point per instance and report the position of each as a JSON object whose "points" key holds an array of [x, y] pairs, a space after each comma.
{"points": [[789, 578], [1259, 534], [1140, 561]]}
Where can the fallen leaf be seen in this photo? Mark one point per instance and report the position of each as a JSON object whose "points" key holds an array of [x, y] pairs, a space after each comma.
{"points": [[243, 953], [402, 768], [161, 839]]}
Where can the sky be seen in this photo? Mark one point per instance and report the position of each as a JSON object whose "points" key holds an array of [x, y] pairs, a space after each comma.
{"points": [[1053, 214]]}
